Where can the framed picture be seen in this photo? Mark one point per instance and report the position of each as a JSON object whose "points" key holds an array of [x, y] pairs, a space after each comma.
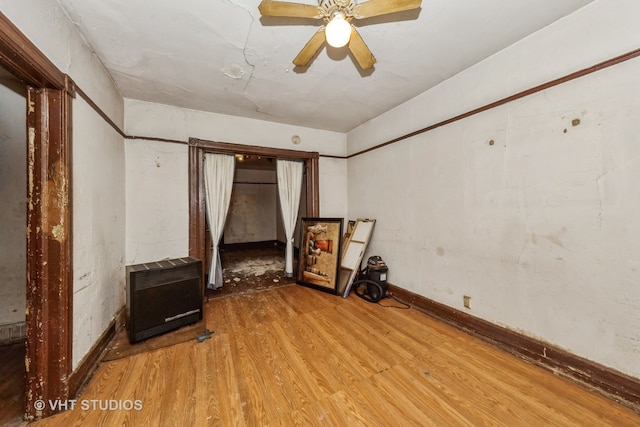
{"points": [[319, 260]]}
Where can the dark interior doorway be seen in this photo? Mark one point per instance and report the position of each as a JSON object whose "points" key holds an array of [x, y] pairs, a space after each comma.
{"points": [[199, 246], [250, 267], [252, 248], [13, 219], [49, 298]]}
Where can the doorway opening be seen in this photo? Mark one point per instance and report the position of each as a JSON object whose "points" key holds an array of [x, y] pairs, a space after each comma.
{"points": [[49, 263], [253, 244], [13, 243]]}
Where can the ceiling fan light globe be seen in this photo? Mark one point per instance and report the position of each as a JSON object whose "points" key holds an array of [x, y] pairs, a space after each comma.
{"points": [[338, 32]]}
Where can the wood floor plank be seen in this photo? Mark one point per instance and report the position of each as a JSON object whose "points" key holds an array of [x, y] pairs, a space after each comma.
{"points": [[293, 356], [12, 384], [374, 399], [221, 399], [275, 376], [299, 389], [468, 390], [318, 378], [179, 404], [346, 339], [378, 335], [337, 352], [256, 405], [335, 372], [301, 301], [410, 323], [150, 389], [553, 396]]}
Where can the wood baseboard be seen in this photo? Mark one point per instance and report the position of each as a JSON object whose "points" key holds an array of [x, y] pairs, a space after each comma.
{"points": [[88, 365], [615, 385]]}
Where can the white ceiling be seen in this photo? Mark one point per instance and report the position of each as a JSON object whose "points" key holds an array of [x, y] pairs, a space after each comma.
{"points": [[222, 56]]}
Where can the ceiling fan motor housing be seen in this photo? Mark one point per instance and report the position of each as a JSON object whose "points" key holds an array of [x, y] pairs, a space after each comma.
{"points": [[336, 10]]}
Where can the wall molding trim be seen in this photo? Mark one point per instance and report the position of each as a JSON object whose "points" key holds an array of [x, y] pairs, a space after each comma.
{"points": [[564, 79], [614, 385]]}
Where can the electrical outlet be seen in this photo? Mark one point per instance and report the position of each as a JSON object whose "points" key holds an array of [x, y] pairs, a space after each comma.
{"points": [[466, 301]]}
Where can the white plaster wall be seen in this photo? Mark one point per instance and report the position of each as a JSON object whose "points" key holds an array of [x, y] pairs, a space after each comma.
{"points": [[333, 188], [253, 207], [13, 193], [157, 201], [98, 227], [98, 170], [48, 26], [541, 228], [252, 214], [598, 32], [157, 197], [163, 121]]}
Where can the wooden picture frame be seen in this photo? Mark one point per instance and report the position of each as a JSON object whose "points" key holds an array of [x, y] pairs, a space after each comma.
{"points": [[354, 247], [320, 253]]}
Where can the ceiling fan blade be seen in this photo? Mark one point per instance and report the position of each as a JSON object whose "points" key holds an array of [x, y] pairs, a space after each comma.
{"points": [[382, 7], [310, 49], [360, 51], [292, 10]]}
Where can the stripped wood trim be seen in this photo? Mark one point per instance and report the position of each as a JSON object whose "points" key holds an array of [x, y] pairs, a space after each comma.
{"points": [[49, 291], [153, 138], [614, 384], [49, 249], [253, 150], [99, 111], [313, 186], [310, 159], [24, 60], [197, 209]]}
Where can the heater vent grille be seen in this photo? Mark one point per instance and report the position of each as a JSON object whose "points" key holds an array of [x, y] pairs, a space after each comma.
{"points": [[163, 296]]}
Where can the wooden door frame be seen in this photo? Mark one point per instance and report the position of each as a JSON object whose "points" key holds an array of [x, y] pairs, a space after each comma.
{"points": [[49, 327], [197, 149]]}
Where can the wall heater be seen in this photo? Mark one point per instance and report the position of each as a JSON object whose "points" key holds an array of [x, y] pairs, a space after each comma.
{"points": [[163, 296]]}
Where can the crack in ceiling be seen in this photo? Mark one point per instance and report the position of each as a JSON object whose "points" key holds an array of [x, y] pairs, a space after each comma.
{"points": [[185, 54]]}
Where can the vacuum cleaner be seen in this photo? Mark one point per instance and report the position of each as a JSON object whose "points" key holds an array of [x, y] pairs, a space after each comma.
{"points": [[371, 282]]}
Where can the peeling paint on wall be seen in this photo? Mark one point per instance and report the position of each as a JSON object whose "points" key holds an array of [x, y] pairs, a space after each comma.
{"points": [[31, 158]]}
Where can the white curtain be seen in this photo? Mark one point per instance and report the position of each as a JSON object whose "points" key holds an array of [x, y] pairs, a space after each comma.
{"points": [[218, 184], [289, 186]]}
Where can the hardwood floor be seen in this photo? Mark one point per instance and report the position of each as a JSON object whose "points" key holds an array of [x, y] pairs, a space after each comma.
{"points": [[296, 356], [12, 383]]}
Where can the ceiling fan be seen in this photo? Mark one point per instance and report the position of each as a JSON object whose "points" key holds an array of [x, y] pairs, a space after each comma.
{"points": [[338, 31]]}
